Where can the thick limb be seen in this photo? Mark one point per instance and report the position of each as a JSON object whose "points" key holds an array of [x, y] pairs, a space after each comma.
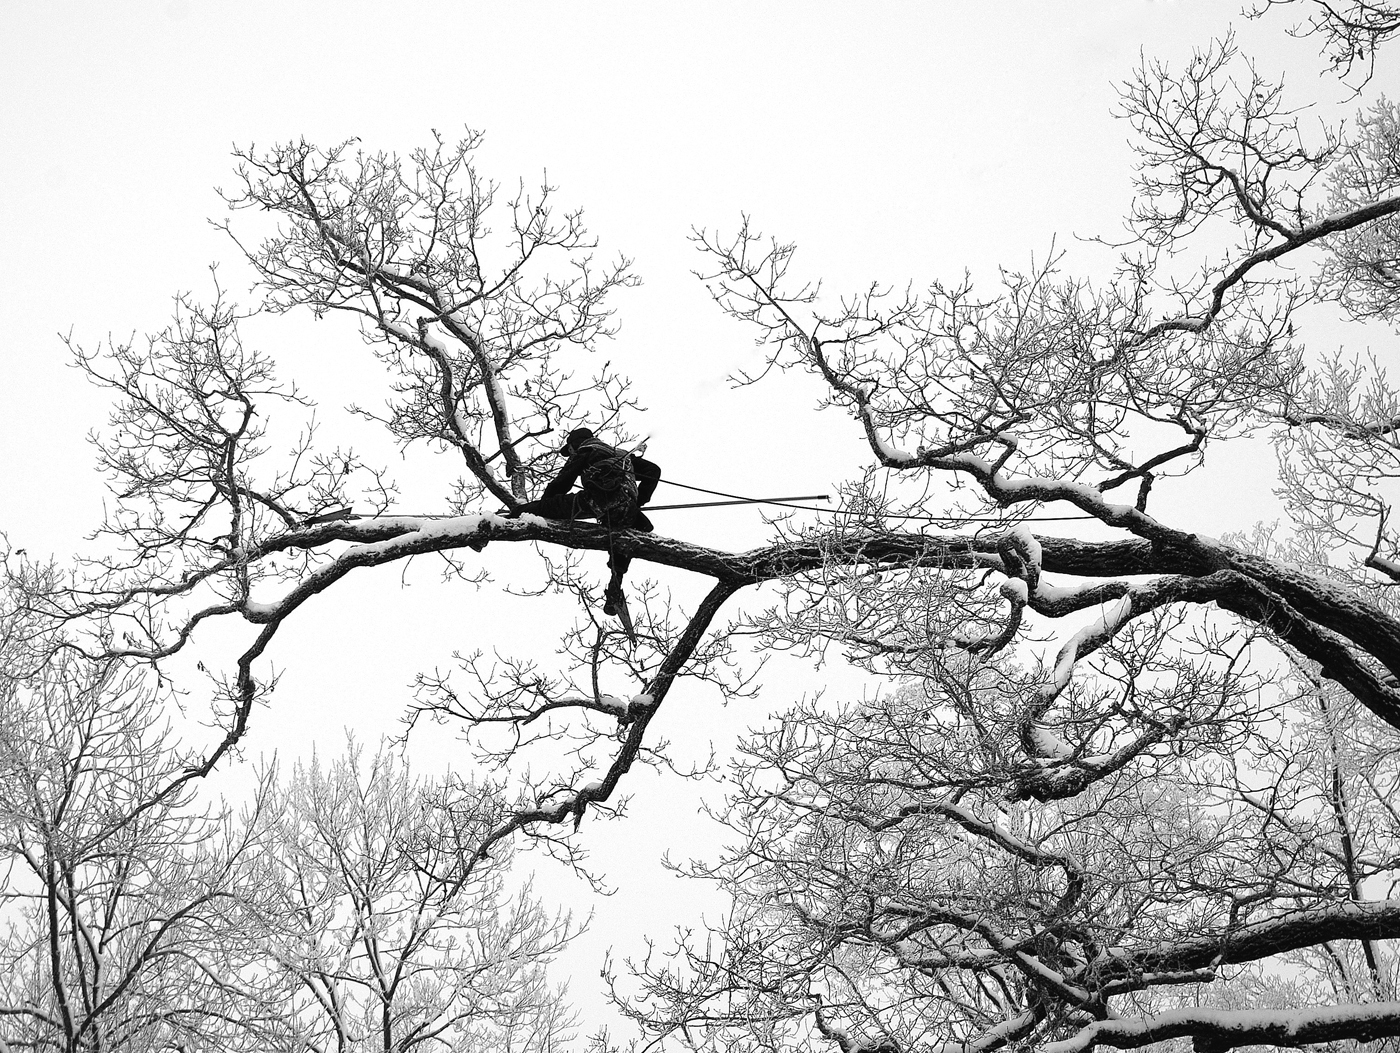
{"points": [[560, 506]]}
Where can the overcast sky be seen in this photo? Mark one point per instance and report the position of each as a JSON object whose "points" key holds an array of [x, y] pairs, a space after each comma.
{"points": [[898, 141]]}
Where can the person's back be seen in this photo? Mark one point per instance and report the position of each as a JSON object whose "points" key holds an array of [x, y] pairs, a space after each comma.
{"points": [[608, 476], [613, 485]]}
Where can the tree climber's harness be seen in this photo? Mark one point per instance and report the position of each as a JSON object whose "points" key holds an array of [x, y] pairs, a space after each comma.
{"points": [[610, 483]]}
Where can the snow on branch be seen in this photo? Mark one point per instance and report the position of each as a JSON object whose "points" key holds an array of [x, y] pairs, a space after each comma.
{"points": [[1217, 1030]]}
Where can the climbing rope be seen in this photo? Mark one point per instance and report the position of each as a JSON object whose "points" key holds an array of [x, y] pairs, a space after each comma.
{"points": [[736, 499], [849, 512]]}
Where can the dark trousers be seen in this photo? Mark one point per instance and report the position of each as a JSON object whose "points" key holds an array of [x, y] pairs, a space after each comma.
{"points": [[578, 505]]}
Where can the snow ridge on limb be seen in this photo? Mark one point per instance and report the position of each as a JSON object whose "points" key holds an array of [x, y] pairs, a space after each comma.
{"points": [[1217, 1030], [1023, 555], [1370, 920], [1230, 590], [843, 1038]]}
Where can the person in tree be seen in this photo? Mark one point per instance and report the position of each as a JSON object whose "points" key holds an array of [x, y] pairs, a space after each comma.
{"points": [[614, 484]]}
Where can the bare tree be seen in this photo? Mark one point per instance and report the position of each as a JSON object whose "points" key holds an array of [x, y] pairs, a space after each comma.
{"points": [[339, 912], [1146, 734], [373, 931], [887, 894], [116, 897], [1349, 31], [1149, 835]]}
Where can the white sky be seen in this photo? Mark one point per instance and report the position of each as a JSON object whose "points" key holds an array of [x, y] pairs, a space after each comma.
{"points": [[893, 141]]}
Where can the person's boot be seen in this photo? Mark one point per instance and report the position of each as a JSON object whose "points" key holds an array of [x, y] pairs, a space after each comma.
{"points": [[613, 600]]}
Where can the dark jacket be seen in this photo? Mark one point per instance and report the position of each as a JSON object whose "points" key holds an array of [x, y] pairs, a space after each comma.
{"points": [[648, 473]]}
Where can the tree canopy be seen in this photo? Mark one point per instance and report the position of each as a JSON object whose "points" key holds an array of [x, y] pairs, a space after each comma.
{"points": [[1127, 782]]}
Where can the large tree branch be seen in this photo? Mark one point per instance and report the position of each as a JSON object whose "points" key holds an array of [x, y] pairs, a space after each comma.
{"points": [[1319, 620], [1374, 920], [1311, 614], [1122, 970], [575, 802], [1217, 1030]]}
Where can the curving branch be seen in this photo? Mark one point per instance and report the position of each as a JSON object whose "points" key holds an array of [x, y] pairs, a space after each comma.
{"points": [[1217, 1030]]}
